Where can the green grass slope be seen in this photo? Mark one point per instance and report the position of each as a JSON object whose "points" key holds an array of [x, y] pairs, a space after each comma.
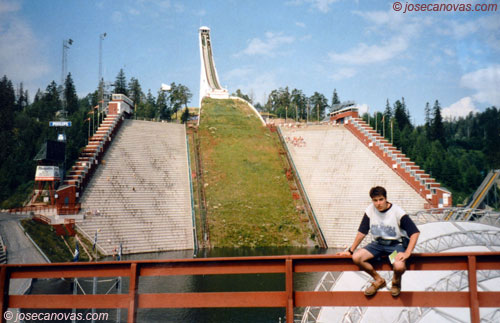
{"points": [[249, 202]]}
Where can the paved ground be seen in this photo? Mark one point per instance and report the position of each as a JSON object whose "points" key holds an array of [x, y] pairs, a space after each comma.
{"points": [[20, 250]]}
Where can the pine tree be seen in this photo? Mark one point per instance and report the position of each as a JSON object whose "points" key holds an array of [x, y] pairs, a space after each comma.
{"points": [[51, 102], [299, 103], [318, 101], [21, 98], [335, 99], [70, 97], [121, 83], [7, 108], [240, 94], [185, 115], [401, 115], [427, 125], [135, 91], [437, 128], [386, 125], [163, 107]]}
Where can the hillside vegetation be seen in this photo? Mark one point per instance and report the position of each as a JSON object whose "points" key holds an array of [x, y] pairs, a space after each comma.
{"points": [[249, 202]]}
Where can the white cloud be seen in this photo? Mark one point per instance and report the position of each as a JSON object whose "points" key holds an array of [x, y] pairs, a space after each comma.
{"points": [[179, 7], [117, 17], [300, 24], [382, 17], [20, 57], [321, 5], [258, 85], [362, 108], [269, 46], [134, 11], [368, 54], [486, 82], [238, 73], [463, 29], [9, 6], [449, 52], [343, 73], [461, 108]]}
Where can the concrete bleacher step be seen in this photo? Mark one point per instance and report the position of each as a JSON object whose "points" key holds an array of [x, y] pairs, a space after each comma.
{"points": [[141, 191], [337, 172]]}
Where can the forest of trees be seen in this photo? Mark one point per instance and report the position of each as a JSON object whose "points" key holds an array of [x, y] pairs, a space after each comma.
{"points": [[24, 125], [458, 153]]}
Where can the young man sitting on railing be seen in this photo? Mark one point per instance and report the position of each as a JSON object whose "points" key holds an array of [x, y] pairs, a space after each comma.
{"points": [[389, 226]]}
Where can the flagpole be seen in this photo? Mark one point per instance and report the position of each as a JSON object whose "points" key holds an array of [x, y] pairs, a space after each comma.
{"points": [[94, 283], [392, 131], [119, 310], [383, 126], [75, 281]]}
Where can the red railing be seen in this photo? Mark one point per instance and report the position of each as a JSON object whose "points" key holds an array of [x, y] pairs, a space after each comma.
{"points": [[287, 298]]}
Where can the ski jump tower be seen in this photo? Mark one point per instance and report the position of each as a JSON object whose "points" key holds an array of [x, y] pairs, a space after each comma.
{"points": [[209, 80]]}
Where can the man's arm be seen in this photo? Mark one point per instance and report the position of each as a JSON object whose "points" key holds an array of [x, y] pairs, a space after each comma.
{"points": [[402, 256], [411, 229], [357, 240], [363, 229]]}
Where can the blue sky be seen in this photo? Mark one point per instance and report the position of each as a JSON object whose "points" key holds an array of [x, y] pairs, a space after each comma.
{"points": [[364, 49]]}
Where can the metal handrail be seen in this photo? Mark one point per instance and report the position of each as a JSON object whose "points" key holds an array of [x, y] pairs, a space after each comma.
{"points": [[296, 172], [288, 297]]}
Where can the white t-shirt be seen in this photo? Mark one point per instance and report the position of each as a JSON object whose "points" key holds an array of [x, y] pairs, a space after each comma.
{"points": [[386, 225]]}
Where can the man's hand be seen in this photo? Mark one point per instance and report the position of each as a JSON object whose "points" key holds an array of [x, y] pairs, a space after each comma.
{"points": [[402, 256], [343, 253]]}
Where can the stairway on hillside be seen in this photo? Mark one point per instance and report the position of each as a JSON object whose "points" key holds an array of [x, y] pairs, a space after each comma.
{"points": [[140, 195], [337, 172], [80, 173]]}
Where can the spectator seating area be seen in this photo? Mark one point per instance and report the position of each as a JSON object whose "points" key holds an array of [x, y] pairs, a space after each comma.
{"points": [[140, 196], [337, 171]]}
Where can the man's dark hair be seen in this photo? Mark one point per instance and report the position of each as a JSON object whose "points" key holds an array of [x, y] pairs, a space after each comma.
{"points": [[378, 191]]}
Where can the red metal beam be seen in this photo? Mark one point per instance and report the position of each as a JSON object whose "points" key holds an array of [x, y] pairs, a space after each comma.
{"points": [[473, 298], [287, 298], [289, 291], [132, 294], [406, 299], [4, 290]]}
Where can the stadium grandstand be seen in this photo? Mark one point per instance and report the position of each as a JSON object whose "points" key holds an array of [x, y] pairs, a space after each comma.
{"points": [[337, 164]]}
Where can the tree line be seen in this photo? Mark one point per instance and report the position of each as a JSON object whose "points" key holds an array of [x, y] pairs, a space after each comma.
{"points": [[164, 106], [24, 125], [295, 104], [458, 153]]}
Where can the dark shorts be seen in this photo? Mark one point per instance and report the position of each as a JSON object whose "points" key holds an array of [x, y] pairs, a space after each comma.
{"points": [[378, 250]]}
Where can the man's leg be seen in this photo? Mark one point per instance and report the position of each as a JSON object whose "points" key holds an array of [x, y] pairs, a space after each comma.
{"points": [[399, 268], [360, 258]]}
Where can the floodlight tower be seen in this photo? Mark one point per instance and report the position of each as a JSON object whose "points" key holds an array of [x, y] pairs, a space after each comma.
{"points": [[64, 72], [101, 81], [101, 38]]}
